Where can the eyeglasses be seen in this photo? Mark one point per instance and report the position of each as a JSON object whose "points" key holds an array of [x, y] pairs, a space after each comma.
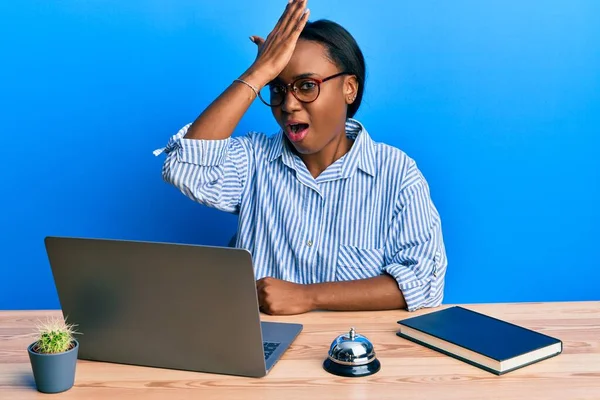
{"points": [[306, 90]]}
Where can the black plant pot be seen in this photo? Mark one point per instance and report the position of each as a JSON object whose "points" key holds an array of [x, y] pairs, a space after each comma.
{"points": [[54, 373]]}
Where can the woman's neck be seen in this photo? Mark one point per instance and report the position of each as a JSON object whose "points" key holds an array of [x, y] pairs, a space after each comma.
{"points": [[333, 151]]}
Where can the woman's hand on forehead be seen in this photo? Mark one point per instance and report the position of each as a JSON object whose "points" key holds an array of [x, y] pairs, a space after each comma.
{"points": [[275, 52]]}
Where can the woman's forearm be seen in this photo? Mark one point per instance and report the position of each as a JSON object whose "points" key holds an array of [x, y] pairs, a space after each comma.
{"points": [[378, 293], [220, 118]]}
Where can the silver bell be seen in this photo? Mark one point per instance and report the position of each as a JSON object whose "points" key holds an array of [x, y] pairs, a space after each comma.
{"points": [[351, 355]]}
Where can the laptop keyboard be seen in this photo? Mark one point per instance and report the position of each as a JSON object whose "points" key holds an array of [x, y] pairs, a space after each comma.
{"points": [[269, 348]]}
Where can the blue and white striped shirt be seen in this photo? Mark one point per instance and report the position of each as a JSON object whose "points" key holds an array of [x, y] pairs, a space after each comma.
{"points": [[368, 213]]}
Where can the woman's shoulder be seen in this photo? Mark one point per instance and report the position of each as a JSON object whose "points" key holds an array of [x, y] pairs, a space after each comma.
{"points": [[389, 157], [391, 153], [385, 155], [394, 165]]}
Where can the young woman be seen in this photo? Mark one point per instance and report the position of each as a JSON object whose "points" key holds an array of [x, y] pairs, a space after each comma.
{"points": [[333, 219]]}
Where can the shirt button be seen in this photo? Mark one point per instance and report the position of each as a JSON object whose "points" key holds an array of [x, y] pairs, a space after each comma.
{"points": [[309, 243]]}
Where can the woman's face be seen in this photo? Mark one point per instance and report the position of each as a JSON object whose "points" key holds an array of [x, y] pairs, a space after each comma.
{"points": [[322, 121]]}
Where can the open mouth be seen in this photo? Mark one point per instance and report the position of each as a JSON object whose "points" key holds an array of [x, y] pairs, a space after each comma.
{"points": [[297, 131]]}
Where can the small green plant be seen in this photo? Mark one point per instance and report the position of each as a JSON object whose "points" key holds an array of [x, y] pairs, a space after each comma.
{"points": [[54, 335]]}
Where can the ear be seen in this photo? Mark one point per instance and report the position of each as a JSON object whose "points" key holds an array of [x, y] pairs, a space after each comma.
{"points": [[350, 89]]}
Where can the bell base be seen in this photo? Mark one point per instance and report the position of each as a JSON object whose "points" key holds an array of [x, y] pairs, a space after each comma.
{"points": [[351, 370]]}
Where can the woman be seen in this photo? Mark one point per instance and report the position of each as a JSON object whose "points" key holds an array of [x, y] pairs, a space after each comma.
{"points": [[333, 219]]}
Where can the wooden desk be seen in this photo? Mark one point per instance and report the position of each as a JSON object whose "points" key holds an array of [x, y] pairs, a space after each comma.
{"points": [[408, 371]]}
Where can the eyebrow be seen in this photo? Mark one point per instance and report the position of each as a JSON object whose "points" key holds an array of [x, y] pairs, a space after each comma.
{"points": [[304, 75]]}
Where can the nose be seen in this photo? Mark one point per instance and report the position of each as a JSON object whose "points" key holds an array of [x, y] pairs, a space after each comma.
{"points": [[290, 103]]}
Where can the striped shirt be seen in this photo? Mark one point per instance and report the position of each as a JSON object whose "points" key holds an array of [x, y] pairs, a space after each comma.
{"points": [[369, 213]]}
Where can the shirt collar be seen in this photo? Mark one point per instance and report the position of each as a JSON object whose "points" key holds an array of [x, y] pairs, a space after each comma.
{"points": [[361, 155]]}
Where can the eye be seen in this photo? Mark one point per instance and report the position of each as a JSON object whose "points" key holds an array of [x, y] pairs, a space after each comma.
{"points": [[276, 89], [307, 85]]}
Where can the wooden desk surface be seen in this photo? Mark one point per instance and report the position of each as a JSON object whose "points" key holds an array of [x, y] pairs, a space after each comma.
{"points": [[409, 371]]}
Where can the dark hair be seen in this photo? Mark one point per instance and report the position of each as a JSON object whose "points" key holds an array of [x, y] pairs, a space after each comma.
{"points": [[342, 50]]}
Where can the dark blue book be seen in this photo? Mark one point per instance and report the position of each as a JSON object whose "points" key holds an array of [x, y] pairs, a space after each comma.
{"points": [[489, 343]]}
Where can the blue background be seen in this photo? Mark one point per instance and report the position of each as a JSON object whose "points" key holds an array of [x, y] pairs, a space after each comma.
{"points": [[498, 102]]}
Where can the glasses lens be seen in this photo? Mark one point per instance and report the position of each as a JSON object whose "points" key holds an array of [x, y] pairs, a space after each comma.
{"points": [[273, 94], [307, 90]]}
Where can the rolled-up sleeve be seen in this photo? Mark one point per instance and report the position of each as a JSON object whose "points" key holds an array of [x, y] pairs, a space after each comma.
{"points": [[211, 172], [415, 250]]}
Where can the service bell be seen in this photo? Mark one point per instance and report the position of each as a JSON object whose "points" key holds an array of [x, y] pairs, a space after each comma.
{"points": [[351, 355]]}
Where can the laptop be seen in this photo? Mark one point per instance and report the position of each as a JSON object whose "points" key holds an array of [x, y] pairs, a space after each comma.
{"points": [[166, 305]]}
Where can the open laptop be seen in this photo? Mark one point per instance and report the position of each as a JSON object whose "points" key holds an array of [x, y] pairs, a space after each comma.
{"points": [[166, 305]]}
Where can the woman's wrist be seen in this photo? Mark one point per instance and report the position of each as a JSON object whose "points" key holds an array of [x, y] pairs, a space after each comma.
{"points": [[312, 296], [256, 78]]}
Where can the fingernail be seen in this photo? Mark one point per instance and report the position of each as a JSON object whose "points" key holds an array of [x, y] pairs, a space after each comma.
{"points": [[251, 39]]}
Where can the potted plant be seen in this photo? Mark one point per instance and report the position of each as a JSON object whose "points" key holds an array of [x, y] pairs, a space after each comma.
{"points": [[53, 356]]}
